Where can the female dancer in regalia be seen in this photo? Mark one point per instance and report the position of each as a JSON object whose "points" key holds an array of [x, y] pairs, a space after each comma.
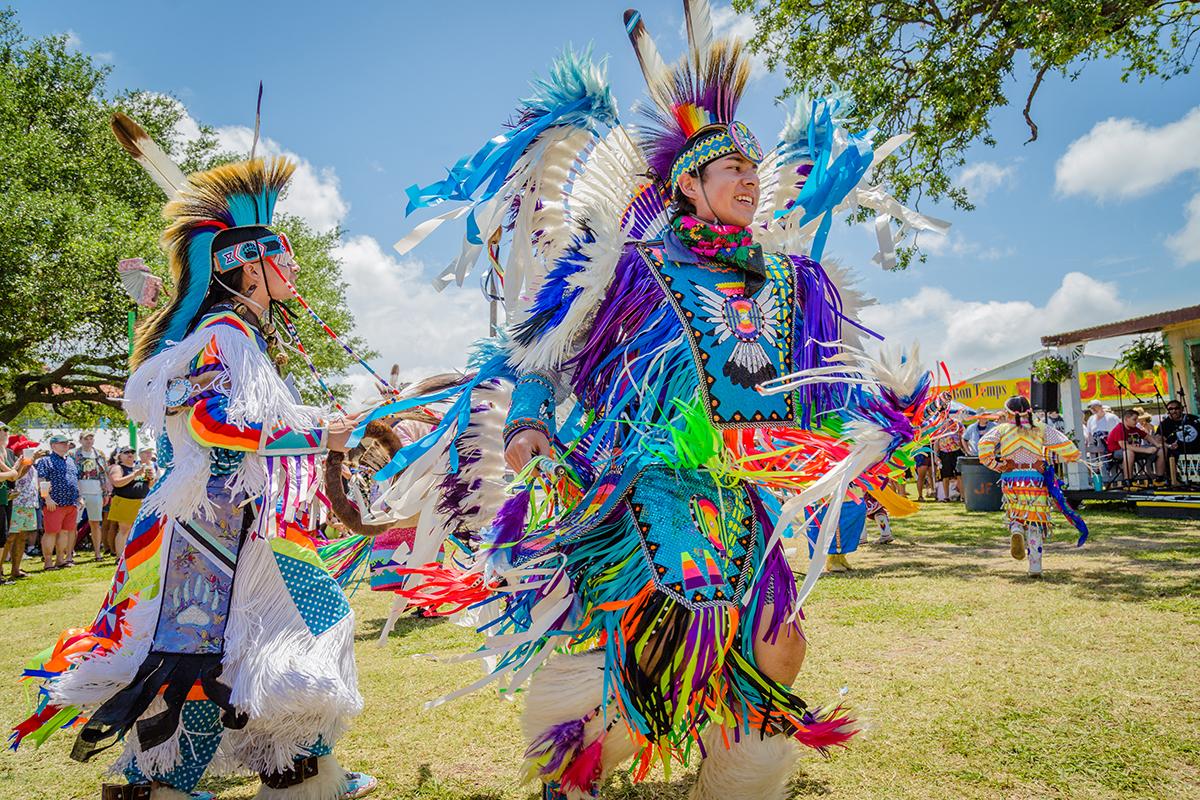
{"points": [[1025, 454], [223, 644]]}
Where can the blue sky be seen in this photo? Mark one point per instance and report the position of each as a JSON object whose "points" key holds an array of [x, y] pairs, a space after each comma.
{"points": [[1097, 220]]}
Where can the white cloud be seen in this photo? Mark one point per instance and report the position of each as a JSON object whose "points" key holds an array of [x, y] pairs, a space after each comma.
{"points": [[728, 22], [971, 335], [1127, 158], [314, 193], [982, 178], [74, 42], [1185, 243], [400, 314], [954, 244]]}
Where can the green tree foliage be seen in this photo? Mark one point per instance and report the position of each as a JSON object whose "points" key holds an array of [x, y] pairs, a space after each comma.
{"points": [[72, 204], [941, 68]]}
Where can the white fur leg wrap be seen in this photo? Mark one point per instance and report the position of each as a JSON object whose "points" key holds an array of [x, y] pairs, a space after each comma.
{"points": [[567, 688], [328, 784], [752, 769]]}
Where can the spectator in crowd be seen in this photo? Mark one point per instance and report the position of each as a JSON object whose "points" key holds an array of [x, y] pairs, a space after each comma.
{"points": [[146, 457], [24, 499], [1179, 432], [130, 483], [949, 450], [1131, 443], [58, 480], [974, 431], [91, 468], [1101, 422], [923, 464], [1055, 420], [8, 476]]}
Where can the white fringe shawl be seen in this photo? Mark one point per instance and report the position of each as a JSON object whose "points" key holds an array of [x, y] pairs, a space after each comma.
{"points": [[295, 686], [256, 394]]}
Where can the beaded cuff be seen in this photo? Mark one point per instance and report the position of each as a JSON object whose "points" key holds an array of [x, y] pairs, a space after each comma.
{"points": [[532, 406]]}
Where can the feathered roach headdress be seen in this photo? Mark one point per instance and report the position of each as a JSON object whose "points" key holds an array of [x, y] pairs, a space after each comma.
{"points": [[692, 119], [230, 196]]}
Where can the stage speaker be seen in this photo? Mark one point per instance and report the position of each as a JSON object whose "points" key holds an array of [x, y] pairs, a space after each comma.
{"points": [[1043, 396]]}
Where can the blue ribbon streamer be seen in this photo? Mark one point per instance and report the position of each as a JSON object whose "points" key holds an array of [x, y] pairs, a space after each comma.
{"points": [[492, 163]]}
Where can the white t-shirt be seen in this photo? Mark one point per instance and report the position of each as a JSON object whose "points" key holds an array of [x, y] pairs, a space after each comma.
{"points": [[1102, 423]]}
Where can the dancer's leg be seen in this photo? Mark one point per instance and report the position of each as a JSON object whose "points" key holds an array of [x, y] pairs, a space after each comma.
{"points": [[316, 777], [781, 659], [1034, 538], [1017, 540], [754, 768], [570, 688], [199, 739]]}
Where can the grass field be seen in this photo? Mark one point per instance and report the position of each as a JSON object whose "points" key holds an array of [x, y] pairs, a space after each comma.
{"points": [[974, 681]]}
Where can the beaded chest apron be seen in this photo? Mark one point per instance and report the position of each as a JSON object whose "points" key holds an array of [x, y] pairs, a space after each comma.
{"points": [[737, 341]]}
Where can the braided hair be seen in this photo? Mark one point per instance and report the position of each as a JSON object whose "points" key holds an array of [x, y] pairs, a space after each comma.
{"points": [[1021, 410]]}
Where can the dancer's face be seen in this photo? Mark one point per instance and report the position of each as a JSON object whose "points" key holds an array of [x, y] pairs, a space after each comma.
{"points": [[726, 191]]}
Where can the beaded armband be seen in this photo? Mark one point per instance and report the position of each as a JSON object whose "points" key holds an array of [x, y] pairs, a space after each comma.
{"points": [[291, 441], [532, 406]]}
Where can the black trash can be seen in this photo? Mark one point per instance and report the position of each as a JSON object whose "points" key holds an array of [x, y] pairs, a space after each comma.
{"points": [[981, 486]]}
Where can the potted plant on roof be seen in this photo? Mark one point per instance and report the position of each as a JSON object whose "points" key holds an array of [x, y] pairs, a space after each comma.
{"points": [[1052, 368], [1145, 354]]}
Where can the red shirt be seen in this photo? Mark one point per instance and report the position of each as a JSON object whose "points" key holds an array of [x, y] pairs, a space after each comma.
{"points": [[1116, 437]]}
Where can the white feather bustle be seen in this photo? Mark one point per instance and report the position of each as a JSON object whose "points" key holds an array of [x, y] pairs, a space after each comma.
{"points": [[168, 793], [554, 346], [256, 393], [567, 687], [328, 784], [751, 769]]}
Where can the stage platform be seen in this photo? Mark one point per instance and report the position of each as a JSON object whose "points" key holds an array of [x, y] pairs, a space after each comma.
{"points": [[1161, 503]]}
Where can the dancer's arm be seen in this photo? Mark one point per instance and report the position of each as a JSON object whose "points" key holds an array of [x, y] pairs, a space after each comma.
{"points": [[989, 450], [1059, 446], [209, 424], [530, 422]]}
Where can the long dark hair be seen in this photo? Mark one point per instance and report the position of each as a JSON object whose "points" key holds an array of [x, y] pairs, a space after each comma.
{"points": [[1021, 410]]}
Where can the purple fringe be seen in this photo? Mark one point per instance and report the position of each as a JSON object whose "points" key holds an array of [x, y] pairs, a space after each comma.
{"points": [[775, 580], [509, 525], [632, 297], [820, 321]]}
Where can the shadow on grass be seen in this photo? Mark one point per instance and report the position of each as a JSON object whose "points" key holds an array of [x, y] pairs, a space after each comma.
{"points": [[369, 631]]}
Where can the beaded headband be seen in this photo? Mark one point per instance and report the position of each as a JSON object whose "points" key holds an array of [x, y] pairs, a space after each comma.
{"points": [[713, 142]]}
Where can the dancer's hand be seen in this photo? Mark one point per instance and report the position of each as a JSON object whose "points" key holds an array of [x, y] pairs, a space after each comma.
{"points": [[340, 430], [524, 446]]}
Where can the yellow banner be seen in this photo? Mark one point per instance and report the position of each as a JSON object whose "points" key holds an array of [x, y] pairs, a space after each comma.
{"points": [[1101, 386]]}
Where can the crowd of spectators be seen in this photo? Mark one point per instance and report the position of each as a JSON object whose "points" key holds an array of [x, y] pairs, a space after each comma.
{"points": [[58, 495], [1136, 443]]}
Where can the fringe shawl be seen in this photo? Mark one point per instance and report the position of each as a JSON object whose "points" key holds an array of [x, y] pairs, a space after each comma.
{"points": [[256, 394]]}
